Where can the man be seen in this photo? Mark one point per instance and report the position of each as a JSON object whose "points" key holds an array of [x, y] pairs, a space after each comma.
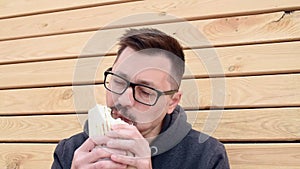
{"points": [[142, 89]]}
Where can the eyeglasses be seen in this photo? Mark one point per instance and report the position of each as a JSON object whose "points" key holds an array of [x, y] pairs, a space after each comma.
{"points": [[141, 93]]}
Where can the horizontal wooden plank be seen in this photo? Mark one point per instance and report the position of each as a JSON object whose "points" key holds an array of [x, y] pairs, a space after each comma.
{"points": [[26, 156], [246, 156], [218, 32], [234, 61], [142, 13], [10, 9], [246, 60], [268, 124], [46, 100], [272, 156], [48, 128], [256, 91], [271, 124], [52, 73], [22, 7]]}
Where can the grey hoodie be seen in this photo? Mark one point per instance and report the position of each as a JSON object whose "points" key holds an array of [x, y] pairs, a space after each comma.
{"points": [[176, 147]]}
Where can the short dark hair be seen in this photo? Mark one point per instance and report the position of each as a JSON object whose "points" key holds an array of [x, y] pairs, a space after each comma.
{"points": [[146, 38]]}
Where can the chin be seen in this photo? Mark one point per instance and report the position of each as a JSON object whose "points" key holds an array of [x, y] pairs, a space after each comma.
{"points": [[148, 129]]}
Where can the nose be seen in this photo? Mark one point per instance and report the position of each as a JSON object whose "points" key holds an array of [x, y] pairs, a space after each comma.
{"points": [[126, 99]]}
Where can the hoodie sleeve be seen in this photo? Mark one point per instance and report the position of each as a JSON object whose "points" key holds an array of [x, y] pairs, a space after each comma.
{"points": [[219, 160], [64, 152], [60, 161]]}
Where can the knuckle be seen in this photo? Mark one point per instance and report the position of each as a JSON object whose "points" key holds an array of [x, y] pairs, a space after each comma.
{"points": [[99, 152]]}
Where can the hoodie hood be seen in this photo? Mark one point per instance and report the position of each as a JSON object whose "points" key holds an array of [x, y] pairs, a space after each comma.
{"points": [[174, 129]]}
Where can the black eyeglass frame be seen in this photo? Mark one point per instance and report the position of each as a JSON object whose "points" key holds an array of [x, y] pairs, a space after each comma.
{"points": [[133, 85]]}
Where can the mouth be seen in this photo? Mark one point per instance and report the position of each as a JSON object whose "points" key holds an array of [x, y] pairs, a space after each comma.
{"points": [[116, 114]]}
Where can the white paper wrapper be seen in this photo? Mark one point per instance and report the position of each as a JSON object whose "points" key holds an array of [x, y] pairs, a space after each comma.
{"points": [[100, 120]]}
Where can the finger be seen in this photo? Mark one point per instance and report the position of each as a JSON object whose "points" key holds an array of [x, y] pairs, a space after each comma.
{"points": [[124, 133], [87, 146], [109, 164], [121, 134], [122, 126], [80, 157], [97, 154], [131, 161], [114, 151], [139, 147], [121, 144], [100, 140]]}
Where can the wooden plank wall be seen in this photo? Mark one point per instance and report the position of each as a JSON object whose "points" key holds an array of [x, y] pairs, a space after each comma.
{"points": [[257, 44]]}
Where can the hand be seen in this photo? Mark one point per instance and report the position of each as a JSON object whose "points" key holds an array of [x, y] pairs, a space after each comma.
{"points": [[128, 138], [91, 156]]}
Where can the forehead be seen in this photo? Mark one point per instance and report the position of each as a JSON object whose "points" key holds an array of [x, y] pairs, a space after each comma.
{"points": [[131, 62]]}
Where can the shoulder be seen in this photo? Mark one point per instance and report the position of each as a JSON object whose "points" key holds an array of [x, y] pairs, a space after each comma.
{"points": [[199, 142], [69, 145], [211, 151], [203, 141], [74, 141], [195, 151]]}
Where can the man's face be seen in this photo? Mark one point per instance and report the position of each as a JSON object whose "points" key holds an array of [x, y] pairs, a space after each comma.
{"points": [[147, 70]]}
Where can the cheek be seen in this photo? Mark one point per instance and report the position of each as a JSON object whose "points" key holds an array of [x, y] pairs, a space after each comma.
{"points": [[109, 99], [150, 114]]}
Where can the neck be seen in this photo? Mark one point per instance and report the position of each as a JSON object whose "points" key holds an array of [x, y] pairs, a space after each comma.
{"points": [[152, 134]]}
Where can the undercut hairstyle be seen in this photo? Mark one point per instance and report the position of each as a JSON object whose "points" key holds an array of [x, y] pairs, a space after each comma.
{"points": [[147, 38]]}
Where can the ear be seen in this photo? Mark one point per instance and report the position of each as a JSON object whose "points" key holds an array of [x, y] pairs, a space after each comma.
{"points": [[175, 99]]}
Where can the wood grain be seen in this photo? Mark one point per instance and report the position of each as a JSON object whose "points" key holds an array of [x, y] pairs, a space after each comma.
{"points": [[248, 156], [48, 100], [234, 61], [238, 92], [51, 128], [256, 45], [26, 156], [272, 27], [60, 72], [95, 18], [22, 7], [273, 156], [266, 124]]}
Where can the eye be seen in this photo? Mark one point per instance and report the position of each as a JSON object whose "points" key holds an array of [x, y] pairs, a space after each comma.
{"points": [[146, 93], [118, 81]]}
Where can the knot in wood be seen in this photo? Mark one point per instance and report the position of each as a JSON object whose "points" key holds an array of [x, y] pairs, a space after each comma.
{"points": [[67, 94]]}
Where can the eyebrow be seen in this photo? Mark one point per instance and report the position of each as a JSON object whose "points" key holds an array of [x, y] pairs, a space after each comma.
{"points": [[147, 83], [122, 74], [144, 82]]}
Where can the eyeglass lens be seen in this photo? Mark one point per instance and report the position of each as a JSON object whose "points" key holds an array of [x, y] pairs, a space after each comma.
{"points": [[141, 93]]}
